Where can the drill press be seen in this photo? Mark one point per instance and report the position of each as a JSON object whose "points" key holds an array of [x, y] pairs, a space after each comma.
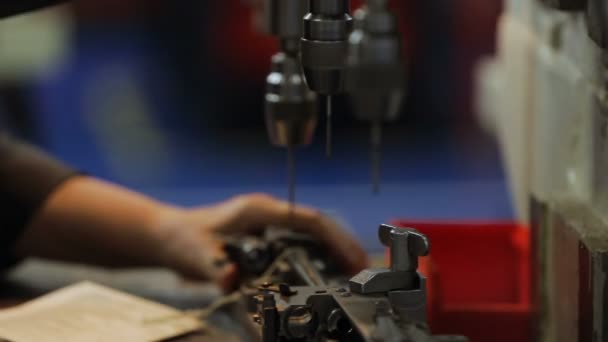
{"points": [[366, 62], [376, 73], [324, 50], [290, 107]]}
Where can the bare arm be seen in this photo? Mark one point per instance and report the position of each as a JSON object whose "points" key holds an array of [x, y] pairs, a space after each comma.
{"points": [[87, 220], [91, 221]]}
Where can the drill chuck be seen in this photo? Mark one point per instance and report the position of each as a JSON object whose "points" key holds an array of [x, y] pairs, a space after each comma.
{"points": [[290, 107], [376, 72], [324, 45]]}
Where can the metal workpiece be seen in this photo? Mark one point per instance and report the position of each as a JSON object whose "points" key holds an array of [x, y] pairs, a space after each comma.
{"points": [[324, 45], [298, 321], [405, 246], [597, 22], [290, 107], [269, 318], [329, 311], [387, 330], [325, 314], [381, 280], [280, 256], [253, 254], [304, 268], [338, 323], [410, 304]]}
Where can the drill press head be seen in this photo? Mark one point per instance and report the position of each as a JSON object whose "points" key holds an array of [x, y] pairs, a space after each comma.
{"points": [[325, 45], [290, 107], [376, 72]]}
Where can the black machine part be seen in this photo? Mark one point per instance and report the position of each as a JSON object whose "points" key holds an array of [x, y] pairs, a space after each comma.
{"points": [[335, 313], [301, 259], [405, 246]]}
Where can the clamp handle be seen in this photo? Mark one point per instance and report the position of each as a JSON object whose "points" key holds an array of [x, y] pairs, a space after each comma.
{"points": [[405, 245]]}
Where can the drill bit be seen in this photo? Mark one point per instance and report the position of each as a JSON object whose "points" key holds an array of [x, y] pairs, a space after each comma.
{"points": [[328, 129], [376, 141], [291, 177]]}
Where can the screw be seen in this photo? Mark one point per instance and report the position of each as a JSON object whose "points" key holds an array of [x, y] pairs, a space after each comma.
{"points": [[321, 291], [341, 290], [346, 294]]}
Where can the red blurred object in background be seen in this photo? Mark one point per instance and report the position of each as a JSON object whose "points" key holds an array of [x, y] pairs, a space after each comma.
{"points": [[478, 279]]}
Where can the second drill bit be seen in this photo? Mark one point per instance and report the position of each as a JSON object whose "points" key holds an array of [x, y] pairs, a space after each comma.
{"points": [[376, 157], [291, 178], [328, 133], [324, 49], [376, 71], [290, 107]]}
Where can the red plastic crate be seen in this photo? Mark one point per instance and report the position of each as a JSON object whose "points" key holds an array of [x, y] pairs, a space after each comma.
{"points": [[478, 279]]}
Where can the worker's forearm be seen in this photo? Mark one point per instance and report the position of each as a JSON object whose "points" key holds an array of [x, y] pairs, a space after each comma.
{"points": [[90, 221]]}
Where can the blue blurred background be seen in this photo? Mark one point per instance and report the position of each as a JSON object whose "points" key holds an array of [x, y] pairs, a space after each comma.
{"points": [[166, 97]]}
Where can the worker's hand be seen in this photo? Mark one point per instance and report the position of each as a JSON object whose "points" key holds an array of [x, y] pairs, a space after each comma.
{"points": [[192, 245]]}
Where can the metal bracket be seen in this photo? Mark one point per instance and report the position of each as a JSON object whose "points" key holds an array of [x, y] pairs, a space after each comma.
{"points": [[405, 245]]}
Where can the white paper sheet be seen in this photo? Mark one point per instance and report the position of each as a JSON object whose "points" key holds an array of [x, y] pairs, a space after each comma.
{"points": [[91, 312]]}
